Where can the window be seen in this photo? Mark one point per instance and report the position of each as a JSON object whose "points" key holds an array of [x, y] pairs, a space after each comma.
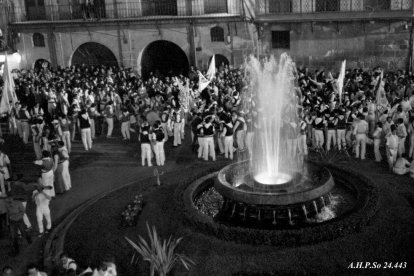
{"points": [[38, 40], [281, 39], [217, 34], [215, 6], [280, 6], [327, 5], [375, 5], [159, 7]]}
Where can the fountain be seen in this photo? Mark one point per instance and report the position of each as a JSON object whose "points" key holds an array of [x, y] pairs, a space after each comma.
{"points": [[274, 181], [274, 197]]}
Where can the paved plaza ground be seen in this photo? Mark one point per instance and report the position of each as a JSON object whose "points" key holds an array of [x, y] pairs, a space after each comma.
{"points": [[113, 164]]}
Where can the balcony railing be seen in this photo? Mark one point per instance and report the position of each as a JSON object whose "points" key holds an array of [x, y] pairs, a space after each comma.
{"points": [[318, 6], [137, 9]]}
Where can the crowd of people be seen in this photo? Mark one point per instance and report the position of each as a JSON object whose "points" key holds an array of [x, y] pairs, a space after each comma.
{"points": [[58, 106]]}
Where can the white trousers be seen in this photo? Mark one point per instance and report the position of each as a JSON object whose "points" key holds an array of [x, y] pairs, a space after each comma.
{"points": [[37, 149], [240, 139], [377, 152], [177, 134], [159, 153], [341, 138], [25, 132], [201, 146], [25, 218], [209, 148], [66, 140], [43, 211], [146, 154], [303, 146], [110, 122], [331, 138], [361, 143], [63, 169], [401, 146], [86, 138], [93, 131], [125, 130], [319, 139], [249, 142], [228, 147]]}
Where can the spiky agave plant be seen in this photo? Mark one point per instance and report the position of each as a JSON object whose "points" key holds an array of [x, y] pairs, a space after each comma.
{"points": [[159, 253]]}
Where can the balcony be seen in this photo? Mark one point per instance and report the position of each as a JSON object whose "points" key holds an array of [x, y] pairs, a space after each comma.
{"points": [[137, 10], [332, 10]]}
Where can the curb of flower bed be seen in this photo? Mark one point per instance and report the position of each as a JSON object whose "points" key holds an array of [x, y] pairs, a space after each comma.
{"points": [[365, 209]]}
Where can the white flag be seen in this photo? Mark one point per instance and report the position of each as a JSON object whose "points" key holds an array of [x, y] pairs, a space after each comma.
{"points": [[211, 73], [202, 82], [9, 95], [340, 80]]}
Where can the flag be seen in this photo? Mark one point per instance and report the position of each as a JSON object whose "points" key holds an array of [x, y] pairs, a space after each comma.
{"points": [[340, 80], [8, 95], [380, 98], [202, 82], [211, 73]]}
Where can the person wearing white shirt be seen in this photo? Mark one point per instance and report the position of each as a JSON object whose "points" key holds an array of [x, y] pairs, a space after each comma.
{"points": [[360, 131], [105, 269], [33, 270], [4, 171], [401, 166], [377, 141], [42, 201], [392, 147]]}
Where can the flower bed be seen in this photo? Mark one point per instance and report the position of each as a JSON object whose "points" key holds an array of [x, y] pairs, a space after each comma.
{"points": [[129, 217]]}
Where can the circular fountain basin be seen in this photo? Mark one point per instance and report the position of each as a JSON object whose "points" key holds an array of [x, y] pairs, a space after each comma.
{"points": [[236, 184]]}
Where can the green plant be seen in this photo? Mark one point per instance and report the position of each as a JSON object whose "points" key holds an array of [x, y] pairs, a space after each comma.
{"points": [[159, 253]]}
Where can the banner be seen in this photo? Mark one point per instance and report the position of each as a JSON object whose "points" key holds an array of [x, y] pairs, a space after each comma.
{"points": [[380, 98], [340, 80], [202, 82], [8, 95], [211, 73]]}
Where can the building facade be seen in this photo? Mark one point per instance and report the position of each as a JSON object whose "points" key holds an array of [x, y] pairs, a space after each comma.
{"points": [[316, 33], [131, 33], [321, 33]]}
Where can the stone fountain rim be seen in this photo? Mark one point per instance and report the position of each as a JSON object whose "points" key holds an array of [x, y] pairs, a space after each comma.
{"points": [[367, 205], [270, 198]]}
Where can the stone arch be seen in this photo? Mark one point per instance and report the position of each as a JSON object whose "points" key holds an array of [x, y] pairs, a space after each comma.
{"points": [[220, 59], [163, 57], [41, 63], [92, 53]]}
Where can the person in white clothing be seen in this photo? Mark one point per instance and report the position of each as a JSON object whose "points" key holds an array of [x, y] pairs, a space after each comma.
{"points": [[106, 268], [208, 139], [145, 140], [84, 125], [377, 141], [159, 140], [4, 172], [392, 147], [177, 128], [401, 166], [47, 172], [227, 134], [42, 201]]}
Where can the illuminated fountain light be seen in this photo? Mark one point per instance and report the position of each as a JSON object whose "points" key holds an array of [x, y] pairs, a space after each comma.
{"points": [[268, 179]]}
